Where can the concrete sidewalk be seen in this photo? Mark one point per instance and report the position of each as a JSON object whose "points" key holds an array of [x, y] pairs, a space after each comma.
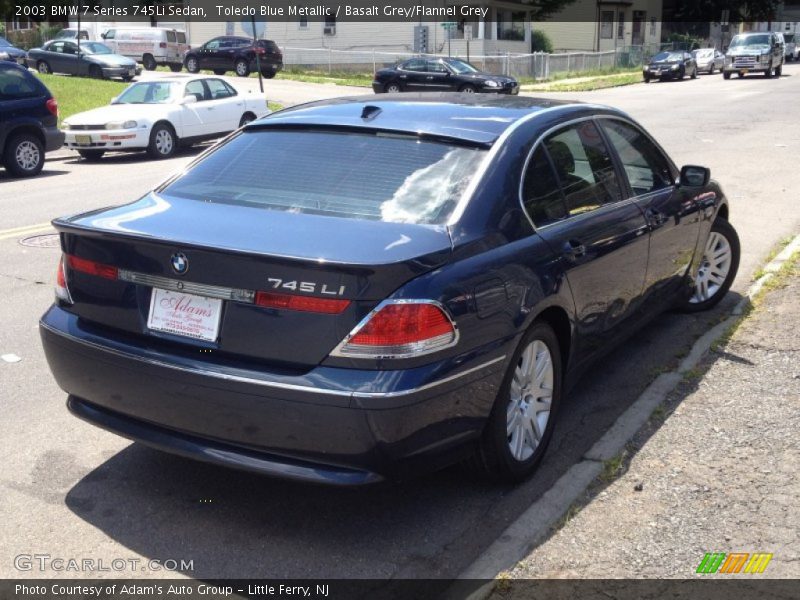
{"points": [[714, 470]]}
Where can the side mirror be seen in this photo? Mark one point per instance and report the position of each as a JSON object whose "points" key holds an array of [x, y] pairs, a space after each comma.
{"points": [[694, 176], [103, 35], [190, 99]]}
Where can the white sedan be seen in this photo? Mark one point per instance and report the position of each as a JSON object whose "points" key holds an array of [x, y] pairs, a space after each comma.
{"points": [[160, 115]]}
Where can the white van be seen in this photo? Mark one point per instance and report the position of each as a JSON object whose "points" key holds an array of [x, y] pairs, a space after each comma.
{"points": [[151, 46]]}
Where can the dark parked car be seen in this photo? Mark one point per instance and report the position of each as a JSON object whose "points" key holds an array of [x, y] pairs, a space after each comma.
{"points": [[91, 59], [438, 270], [439, 75], [10, 52], [238, 54], [670, 65], [28, 121]]}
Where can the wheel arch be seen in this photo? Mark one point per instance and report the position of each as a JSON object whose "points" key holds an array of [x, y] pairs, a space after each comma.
{"points": [[22, 128], [558, 319]]}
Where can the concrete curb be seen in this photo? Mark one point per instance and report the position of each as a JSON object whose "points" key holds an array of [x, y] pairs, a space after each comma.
{"points": [[532, 525]]}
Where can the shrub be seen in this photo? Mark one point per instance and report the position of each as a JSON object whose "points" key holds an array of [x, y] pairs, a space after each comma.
{"points": [[540, 42]]}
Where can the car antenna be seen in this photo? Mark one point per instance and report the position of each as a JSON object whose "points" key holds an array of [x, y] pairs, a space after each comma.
{"points": [[370, 112]]}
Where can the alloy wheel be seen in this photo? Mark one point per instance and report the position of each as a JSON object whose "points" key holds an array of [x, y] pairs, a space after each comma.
{"points": [[714, 268], [531, 396], [27, 156]]}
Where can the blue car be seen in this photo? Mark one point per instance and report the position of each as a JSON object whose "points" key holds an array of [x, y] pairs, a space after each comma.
{"points": [[367, 288]]}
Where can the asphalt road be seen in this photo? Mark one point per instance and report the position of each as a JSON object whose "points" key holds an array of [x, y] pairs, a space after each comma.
{"points": [[70, 490]]}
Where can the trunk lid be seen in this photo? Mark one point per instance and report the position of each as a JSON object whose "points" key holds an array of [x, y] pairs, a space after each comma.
{"points": [[243, 248]]}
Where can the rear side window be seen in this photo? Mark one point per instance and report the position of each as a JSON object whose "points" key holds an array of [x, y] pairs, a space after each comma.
{"points": [[353, 175], [219, 89], [181, 37], [541, 195], [648, 170], [171, 36], [17, 85], [584, 168]]}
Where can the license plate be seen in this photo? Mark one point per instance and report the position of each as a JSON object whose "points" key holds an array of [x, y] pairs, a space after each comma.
{"points": [[83, 139], [131, 72], [745, 71], [185, 314]]}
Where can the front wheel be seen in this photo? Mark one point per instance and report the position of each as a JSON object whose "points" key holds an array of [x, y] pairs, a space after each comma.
{"points": [[718, 267], [192, 65], [711, 70], [768, 72], [95, 72], [778, 70], [523, 416], [43, 68], [246, 118], [91, 155], [163, 141], [726, 75], [393, 88], [647, 79], [694, 73]]}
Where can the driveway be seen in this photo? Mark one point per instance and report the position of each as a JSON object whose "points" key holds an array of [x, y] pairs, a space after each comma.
{"points": [[71, 490]]}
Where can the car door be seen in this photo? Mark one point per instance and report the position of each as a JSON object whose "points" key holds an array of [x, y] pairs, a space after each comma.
{"points": [[208, 57], [572, 191], [412, 74], [54, 56], [673, 216], [437, 77], [195, 117], [71, 61], [224, 106]]}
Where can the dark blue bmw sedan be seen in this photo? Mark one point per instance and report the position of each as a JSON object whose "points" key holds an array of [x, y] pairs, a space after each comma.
{"points": [[361, 289]]}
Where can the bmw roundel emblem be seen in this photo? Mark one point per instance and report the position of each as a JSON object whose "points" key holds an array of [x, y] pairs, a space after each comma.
{"points": [[180, 264]]}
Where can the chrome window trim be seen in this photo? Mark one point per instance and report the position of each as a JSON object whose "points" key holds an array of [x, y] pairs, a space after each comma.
{"points": [[620, 203], [339, 351], [272, 384]]}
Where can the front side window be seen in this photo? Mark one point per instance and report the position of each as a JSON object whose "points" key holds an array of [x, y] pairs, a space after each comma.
{"points": [[584, 168], [541, 195], [150, 92], [372, 176], [647, 168]]}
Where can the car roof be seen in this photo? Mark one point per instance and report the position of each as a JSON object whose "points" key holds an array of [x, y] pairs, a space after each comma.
{"points": [[475, 118]]}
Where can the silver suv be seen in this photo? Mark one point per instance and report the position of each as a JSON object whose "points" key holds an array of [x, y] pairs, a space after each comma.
{"points": [[755, 53]]}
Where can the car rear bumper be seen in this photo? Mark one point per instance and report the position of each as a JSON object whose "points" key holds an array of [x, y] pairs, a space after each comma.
{"points": [[270, 423], [107, 139], [53, 139]]}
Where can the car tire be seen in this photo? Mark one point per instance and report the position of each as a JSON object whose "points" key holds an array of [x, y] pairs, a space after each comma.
{"points": [[43, 67], [91, 155], [768, 72], [241, 67], [149, 63], [393, 87], [24, 155], [95, 72], [694, 73], [192, 65], [176, 67], [219, 71], [268, 74], [647, 79], [726, 75], [720, 258], [247, 117], [740, 75], [507, 450], [163, 141], [127, 78], [682, 73], [467, 89], [778, 70], [711, 70]]}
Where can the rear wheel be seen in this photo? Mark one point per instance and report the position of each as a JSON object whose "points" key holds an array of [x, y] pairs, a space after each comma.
{"points": [[241, 67], [149, 62], [711, 70], [24, 155], [740, 74], [175, 67], [268, 74], [95, 72], [768, 72], [717, 269], [393, 87], [523, 416], [647, 79], [726, 75], [192, 65], [163, 141], [91, 155], [43, 67]]}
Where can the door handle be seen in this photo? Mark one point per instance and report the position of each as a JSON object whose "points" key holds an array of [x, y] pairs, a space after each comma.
{"points": [[655, 217], [574, 250]]}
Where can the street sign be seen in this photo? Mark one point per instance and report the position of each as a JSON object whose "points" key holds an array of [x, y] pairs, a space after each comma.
{"points": [[248, 28], [449, 24]]}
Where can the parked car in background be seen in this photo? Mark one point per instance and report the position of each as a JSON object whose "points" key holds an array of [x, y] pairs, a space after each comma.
{"points": [[790, 50], [10, 52], [361, 289], [673, 64], [755, 53], [28, 121], [72, 34], [441, 74], [709, 60], [91, 59], [238, 54], [151, 46], [160, 115]]}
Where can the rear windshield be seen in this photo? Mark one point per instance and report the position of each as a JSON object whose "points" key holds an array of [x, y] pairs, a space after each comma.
{"points": [[353, 175]]}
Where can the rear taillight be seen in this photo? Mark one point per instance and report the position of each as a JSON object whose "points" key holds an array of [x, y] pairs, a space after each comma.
{"points": [[162, 44], [62, 290], [302, 303], [52, 106], [400, 329], [92, 268], [260, 51]]}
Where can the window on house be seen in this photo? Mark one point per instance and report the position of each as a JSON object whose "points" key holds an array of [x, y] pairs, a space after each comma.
{"points": [[330, 26], [510, 25], [20, 24], [303, 22], [652, 26], [621, 25], [607, 24]]}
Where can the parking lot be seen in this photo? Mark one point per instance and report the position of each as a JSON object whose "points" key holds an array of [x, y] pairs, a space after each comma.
{"points": [[72, 490]]}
